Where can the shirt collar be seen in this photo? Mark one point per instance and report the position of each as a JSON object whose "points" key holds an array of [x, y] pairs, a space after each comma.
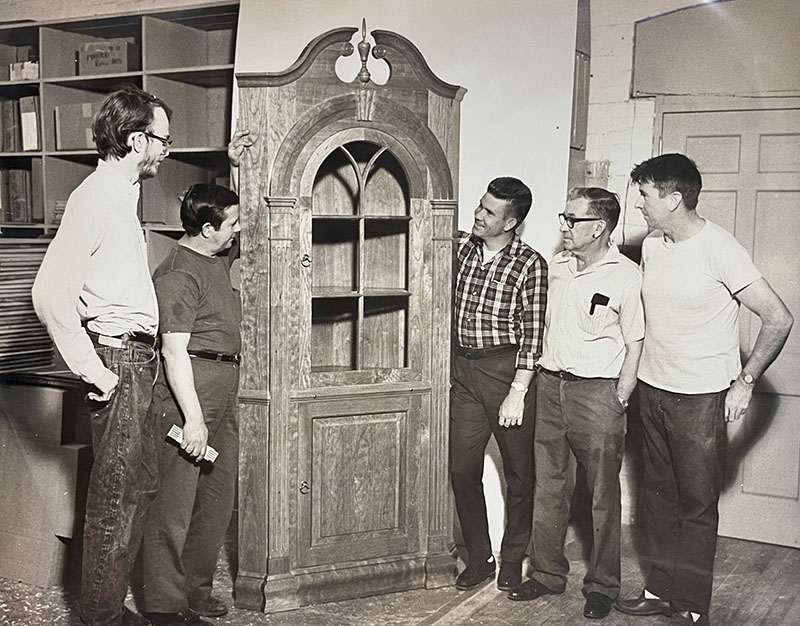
{"points": [[512, 248], [612, 256]]}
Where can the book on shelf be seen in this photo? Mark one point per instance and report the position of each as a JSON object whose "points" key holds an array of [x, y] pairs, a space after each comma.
{"points": [[5, 206], [19, 193], [29, 122], [11, 128]]}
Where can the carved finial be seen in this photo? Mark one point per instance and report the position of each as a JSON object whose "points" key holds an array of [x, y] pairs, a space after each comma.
{"points": [[363, 52]]}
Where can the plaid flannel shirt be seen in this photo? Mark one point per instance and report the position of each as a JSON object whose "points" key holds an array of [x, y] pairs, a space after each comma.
{"points": [[502, 302]]}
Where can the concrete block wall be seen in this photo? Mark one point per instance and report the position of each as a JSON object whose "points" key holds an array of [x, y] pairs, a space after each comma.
{"points": [[620, 129]]}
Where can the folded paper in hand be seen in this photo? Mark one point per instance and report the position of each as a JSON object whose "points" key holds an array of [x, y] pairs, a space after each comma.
{"points": [[176, 433]]}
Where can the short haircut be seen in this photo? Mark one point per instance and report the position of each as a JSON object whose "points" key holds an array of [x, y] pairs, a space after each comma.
{"points": [[123, 112], [515, 192], [602, 203], [205, 203], [669, 173]]}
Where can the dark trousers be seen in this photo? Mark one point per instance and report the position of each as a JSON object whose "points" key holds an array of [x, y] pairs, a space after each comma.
{"points": [[684, 442], [584, 417], [121, 484], [478, 390], [187, 522]]}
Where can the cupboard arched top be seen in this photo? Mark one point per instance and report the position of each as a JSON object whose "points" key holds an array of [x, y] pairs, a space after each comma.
{"points": [[337, 121]]}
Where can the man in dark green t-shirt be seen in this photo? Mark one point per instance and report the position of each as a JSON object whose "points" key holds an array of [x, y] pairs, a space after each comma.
{"points": [[200, 342]]}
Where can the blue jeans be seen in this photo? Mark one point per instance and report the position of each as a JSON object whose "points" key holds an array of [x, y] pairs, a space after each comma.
{"points": [[122, 483], [684, 455]]}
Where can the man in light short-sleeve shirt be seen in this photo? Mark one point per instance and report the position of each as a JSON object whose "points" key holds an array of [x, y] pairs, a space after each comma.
{"points": [[691, 381]]}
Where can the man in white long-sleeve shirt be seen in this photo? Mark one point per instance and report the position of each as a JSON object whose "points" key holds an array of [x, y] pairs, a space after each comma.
{"points": [[94, 294]]}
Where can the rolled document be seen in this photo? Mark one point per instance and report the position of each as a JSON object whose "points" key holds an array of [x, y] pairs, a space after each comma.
{"points": [[176, 433]]}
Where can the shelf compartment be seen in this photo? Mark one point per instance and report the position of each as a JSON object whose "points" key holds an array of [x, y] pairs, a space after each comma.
{"points": [[334, 334], [62, 43], [334, 254], [384, 332], [62, 176], [201, 115], [176, 43], [386, 190], [336, 190], [206, 76], [161, 195], [385, 253], [159, 243]]}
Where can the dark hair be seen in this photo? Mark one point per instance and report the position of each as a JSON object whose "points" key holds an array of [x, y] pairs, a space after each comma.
{"points": [[205, 203], [515, 192], [603, 203], [123, 112], [669, 173]]}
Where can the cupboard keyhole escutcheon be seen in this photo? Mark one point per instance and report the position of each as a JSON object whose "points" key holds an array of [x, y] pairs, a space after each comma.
{"points": [[305, 261], [304, 487]]}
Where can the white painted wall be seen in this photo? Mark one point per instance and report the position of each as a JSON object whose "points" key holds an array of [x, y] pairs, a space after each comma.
{"points": [[515, 57]]}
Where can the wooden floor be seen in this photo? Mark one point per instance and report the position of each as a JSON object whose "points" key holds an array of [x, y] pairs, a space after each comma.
{"points": [[754, 585]]}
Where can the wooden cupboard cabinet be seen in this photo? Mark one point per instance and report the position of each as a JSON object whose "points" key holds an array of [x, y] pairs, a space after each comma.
{"points": [[348, 206]]}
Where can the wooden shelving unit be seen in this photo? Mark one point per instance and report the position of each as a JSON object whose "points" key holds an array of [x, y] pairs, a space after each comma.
{"points": [[183, 56]]}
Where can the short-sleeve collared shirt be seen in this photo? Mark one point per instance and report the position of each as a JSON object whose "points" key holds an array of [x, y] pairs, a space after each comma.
{"points": [[592, 314], [502, 301]]}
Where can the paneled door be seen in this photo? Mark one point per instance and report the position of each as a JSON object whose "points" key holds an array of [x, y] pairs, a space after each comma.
{"points": [[750, 163]]}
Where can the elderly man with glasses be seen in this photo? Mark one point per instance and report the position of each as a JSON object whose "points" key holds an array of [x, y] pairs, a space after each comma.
{"points": [[594, 328]]}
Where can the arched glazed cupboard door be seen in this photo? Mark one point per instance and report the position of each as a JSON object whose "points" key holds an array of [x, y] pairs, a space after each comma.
{"points": [[348, 205]]}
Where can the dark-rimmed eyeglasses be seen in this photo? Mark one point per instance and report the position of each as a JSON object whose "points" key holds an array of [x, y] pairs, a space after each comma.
{"points": [[570, 220], [165, 141]]}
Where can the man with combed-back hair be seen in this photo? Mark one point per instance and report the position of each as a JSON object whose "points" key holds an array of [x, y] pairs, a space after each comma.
{"points": [[94, 294], [500, 299], [691, 381]]}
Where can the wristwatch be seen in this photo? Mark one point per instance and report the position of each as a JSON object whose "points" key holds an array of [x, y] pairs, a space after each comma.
{"points": [[518, 387], [748, 379]]}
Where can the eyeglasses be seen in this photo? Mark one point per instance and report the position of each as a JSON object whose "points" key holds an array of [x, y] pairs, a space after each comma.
{"points": [[165, 141], [570, 220]]}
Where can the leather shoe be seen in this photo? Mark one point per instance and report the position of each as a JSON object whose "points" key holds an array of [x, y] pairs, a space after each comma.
{"points": [[474, 575], [510, 576], [597, 606], [184, 618], [685, 617], [210, 607], [530, 590], [644, 606]]}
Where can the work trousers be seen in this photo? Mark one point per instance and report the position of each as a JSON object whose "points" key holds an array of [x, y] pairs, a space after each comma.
{"points": [[478, 389], [585, 417], [122, 483], [684, 441], [187, 522]]}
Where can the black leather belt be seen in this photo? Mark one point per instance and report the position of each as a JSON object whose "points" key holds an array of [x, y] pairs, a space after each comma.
{"points": [[215, 356], [481, 353], [116, 341], [569, 376]]}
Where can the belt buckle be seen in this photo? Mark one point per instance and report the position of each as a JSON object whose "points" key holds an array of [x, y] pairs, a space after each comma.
{"points": [[112, 342]]}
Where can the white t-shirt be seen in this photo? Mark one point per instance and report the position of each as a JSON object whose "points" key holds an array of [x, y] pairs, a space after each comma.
{"points": [[691, 342]]}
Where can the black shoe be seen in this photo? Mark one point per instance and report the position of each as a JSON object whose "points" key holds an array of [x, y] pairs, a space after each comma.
{"points": [[685, 617], [475, 575], [597, 606], [184, 618], [530, 590], [210, 607], [644, 606], [510, 576]]}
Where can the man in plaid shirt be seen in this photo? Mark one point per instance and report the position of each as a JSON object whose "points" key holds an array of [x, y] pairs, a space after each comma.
{"points": [[501, 294]]}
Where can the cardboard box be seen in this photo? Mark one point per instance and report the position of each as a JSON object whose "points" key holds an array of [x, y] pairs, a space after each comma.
{"points": [[74, 125], [24, 70], [110, 56]]}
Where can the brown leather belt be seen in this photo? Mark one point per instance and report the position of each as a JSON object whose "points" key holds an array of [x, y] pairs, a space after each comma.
{"points": [[118, 340], [481, 353], [215, 356]]}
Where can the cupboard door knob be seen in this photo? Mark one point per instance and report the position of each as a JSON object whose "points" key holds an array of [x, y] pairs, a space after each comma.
{"points": [[304, 487], [305, 261]]}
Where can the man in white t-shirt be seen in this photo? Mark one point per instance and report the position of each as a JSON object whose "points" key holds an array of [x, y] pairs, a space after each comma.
{"points": [[691, 380]]}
